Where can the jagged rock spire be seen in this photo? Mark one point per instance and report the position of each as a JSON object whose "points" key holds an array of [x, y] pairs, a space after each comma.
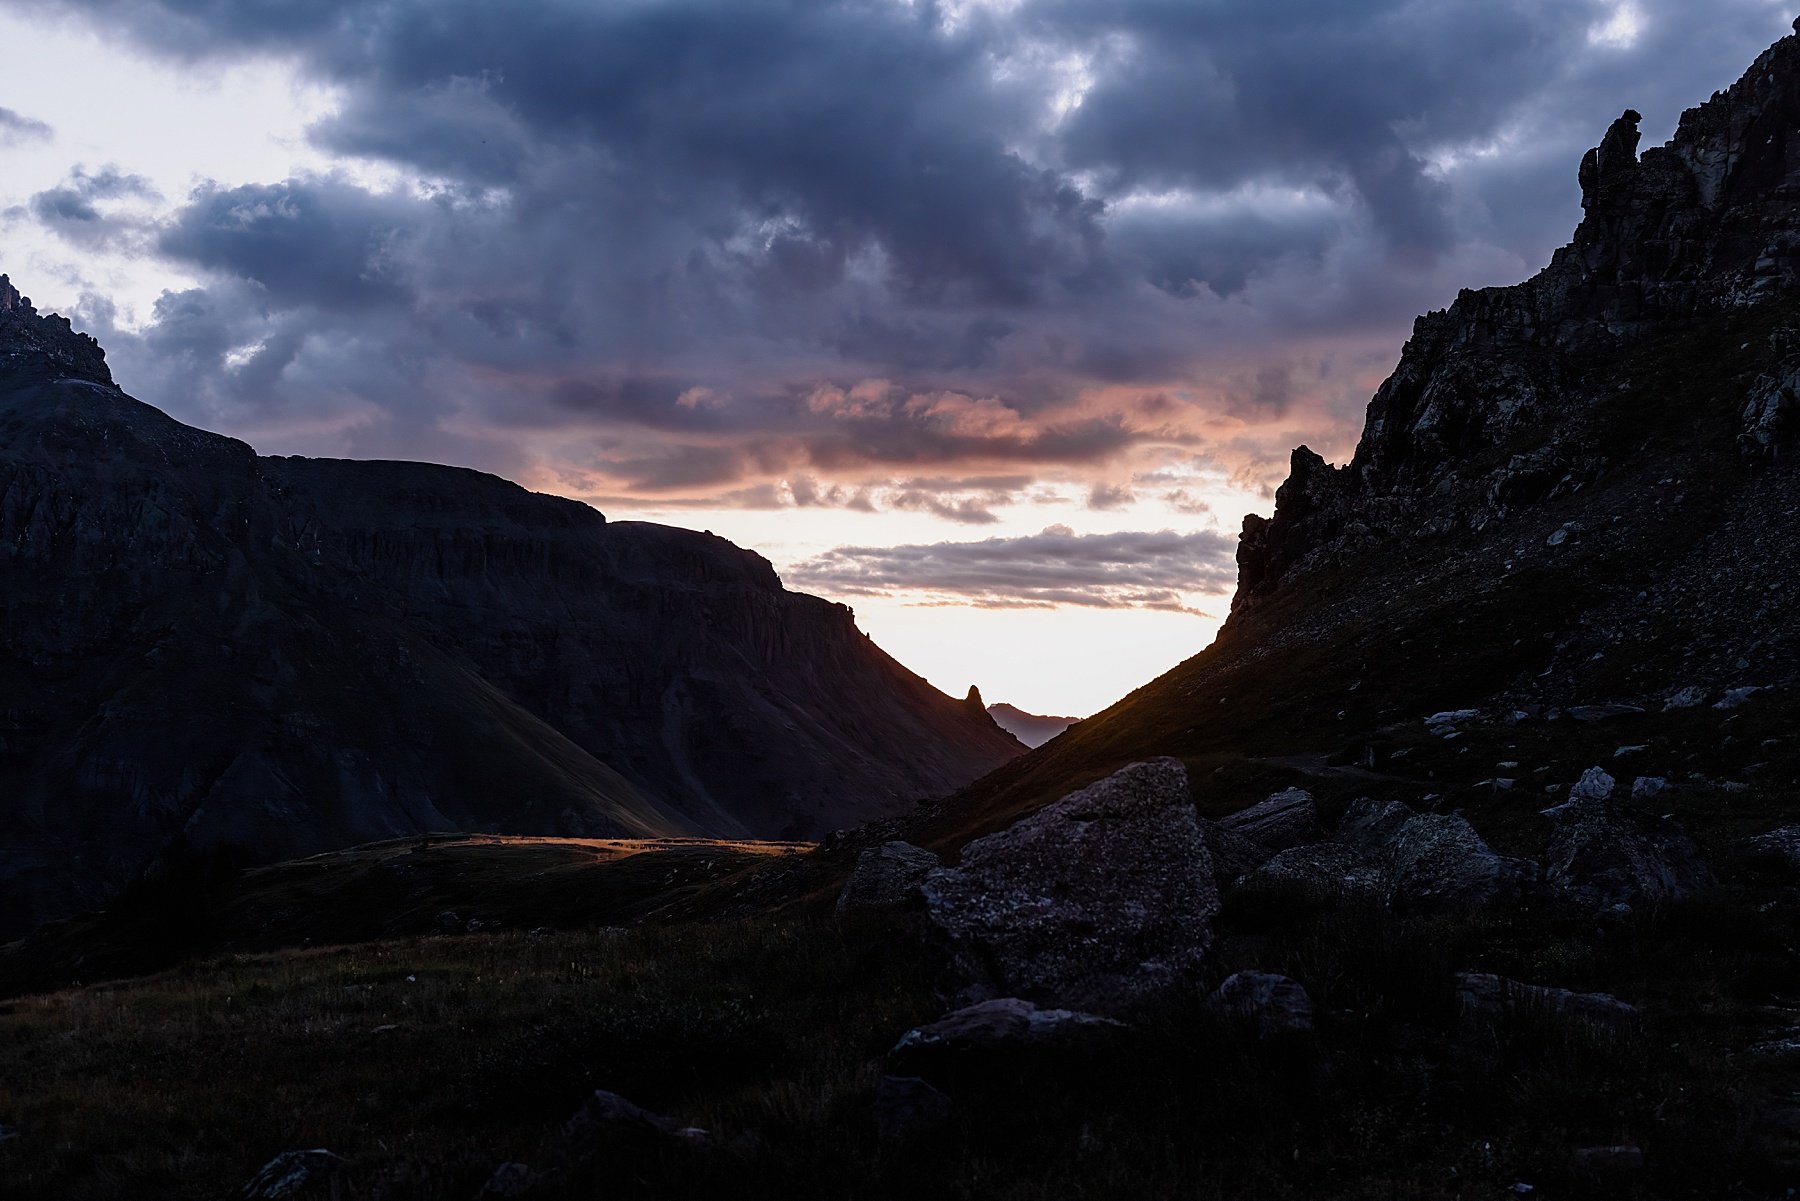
{"points": [[10, 300], [44, 347]]}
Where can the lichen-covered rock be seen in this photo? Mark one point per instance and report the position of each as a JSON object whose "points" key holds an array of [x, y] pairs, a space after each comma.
{"points": [[606, 1115], [1098, 901], [1286, 819], [1372, 823], [886, 877], [1272, 1004]]}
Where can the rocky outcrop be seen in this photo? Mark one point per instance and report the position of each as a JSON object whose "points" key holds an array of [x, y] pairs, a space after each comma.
{"points": [[37, 348], [1468, 429], [204, 652], [1099, 901]]}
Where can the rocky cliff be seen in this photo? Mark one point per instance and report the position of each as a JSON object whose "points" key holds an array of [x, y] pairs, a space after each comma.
{"points": [[1472, 424], [203, 649]]}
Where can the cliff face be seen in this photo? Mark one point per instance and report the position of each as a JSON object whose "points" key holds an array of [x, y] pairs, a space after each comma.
{"points": [[1468, 428], [204, 649]]}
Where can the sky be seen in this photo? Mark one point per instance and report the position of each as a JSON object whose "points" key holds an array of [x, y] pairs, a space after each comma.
{"points": [[990, 318]]}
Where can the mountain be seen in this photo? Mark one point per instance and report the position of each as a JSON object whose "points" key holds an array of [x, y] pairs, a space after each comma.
{"points": [[1032, 729], [1574, 496], [203, 650]]}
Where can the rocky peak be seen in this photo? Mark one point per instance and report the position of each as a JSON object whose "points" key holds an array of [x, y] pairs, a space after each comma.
{"points": [[36, 348], [1472, 424]]}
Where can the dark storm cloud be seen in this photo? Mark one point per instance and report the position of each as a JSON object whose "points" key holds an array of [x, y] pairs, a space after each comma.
{"points": [[75, 209], [16, 127], [671, 223], [1055, 567]]}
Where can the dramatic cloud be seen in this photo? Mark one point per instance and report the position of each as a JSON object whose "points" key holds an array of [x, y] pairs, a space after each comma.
{"points": [[16, 128], [1055, 567], [695, 251]]}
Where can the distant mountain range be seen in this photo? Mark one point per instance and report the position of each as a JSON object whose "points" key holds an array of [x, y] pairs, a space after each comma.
{"points": [[1032, 729], [206, 650]]}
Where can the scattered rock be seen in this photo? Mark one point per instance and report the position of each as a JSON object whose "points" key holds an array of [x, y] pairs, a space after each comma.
{"points": [[1645, 787], [1607, 856], [1595, 784], [907, 1107], [1273, 1005], [1687, 698], [1284, 820], [448, 922], [1450, 717], [1481, 994], [1003, 1025], [1233, 855], [886, 877], [293, 1174], [1735, 698], [608, 1115], [8, 1133], [1099, 901]]}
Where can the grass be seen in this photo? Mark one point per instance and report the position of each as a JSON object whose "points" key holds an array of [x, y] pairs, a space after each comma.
{"points": [[428, 1061]]}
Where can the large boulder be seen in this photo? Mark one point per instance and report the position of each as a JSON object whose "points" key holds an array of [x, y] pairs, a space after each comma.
{"points": [[886, 877], [1609, 856], [1778, 851], [1285, 820], [908, 1107], [1099, 901], [1438, 862]]}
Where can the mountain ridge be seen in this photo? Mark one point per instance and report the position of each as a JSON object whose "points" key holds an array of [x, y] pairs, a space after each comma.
{"points": [[207, 651]]}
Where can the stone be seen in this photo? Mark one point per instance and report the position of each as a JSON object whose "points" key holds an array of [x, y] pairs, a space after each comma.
{"points": [[1323, 871], [1099, 901], [1482, 994], [1605, 855], [907, 1107], [1735, 698], [1645, 787], [1593, 1162], [1286, 819], [1440, 863], [606, 1115], [8, 1133], [1271, 1004], [1233, 855], [1607, 712], [1371, 823], [295, 1175], [1687, 698], [1596, 784], [509, 1180], [1000, 1026], [1777, 851], [886, 877]]}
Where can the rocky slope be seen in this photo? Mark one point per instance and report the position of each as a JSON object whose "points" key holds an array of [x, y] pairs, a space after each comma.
{"points": [[201, 649], [1576, 495]]}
